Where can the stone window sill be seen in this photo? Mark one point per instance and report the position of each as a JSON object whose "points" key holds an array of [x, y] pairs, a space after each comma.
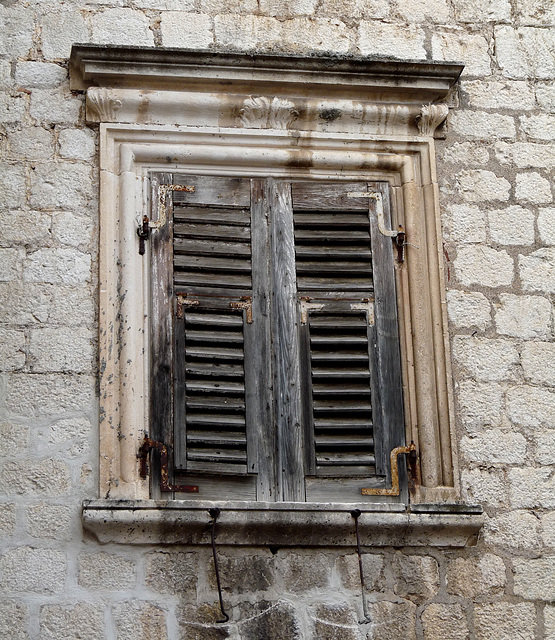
{"points": [[281, 524]]}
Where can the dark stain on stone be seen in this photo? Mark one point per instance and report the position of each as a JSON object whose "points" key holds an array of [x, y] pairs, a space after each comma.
{"points": [[329, 114]]}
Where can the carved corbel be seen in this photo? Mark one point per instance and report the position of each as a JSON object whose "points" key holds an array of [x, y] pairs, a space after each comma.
{"points": [[101, 105], [267, 113], [431, 117]]}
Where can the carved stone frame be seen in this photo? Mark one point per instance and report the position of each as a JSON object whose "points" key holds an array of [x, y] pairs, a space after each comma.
{"points": [[268, 116]]}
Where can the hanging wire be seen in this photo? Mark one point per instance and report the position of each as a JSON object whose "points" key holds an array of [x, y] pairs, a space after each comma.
{"points": [[355, 513], [214, 513]]}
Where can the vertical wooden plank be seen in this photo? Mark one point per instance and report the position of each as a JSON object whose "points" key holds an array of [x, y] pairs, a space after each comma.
{"points": [[161, 330], [261, 431], [285, 342], [180, 414], [306, 398], [387, 400]]}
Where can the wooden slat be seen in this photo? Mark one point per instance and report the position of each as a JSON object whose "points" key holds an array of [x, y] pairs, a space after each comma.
{"points": [[328, 196], [212, 215], [214, 190], [211, 264], [212, 231], [211, 248]]}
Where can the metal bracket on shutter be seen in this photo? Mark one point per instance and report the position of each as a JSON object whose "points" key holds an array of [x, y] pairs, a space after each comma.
{"points": [[184, 301], [145, 448], [366, 305], [306, 306], [246, 304], [394, 491]]}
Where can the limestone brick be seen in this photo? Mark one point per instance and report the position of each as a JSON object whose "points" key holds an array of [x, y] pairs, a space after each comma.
{"points": [[186, 30], [11, 263], [12, 349], [505, 621], [35, 570], [529, 406], [524, 317], [416, 577], [70, 431], [16, 27], [486, 11], [303, 572], [208, 6], [537, 362], [486, 359], [7, 523], [484, 266], [31, 143], [251, 31], [534, 579], [55, 106], [475, 576], [35, 477], [468, 309], [466, 223], [82, 620], [478, 185], [105, 571], [526, 155], [392, 620], [61, 185], [349, 573], [12, 107], [512, 226], [122, 25], [139, 619], [49, 521], [444, 621], [546, 225], [60, 349], [480, 404], [531, 488], [545, 95], [31, 228], [534, 188], [423, 11], [12, 186], [539, 127], [43, 395], [535, 12], [14, 438], [71, 305], [39, 75], [482, 125], [494, 446], [60, 29], [496, 94], [271, 621], [286, 8], [549, 622], [13, 620], [548, 528], [465, 153], [537, 270], [371, 9], [472, 49], [58, 266], [71, 229], [513, 530], [336, 621], [169, 572], [545, 447], [484, 487], [526, 52], [377, 38], [77, 144], [246, 574]]}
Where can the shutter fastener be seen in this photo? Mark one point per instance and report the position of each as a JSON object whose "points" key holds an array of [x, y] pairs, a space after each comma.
{"points": [[165, 486]]}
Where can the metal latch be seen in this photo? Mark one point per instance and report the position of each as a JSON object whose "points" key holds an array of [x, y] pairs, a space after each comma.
{"points": [[394, 491], [145, 448]]}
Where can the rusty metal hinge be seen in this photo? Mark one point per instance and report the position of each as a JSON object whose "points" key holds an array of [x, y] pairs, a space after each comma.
{"points": [[145, 448], [394, 490], [246, 304]]}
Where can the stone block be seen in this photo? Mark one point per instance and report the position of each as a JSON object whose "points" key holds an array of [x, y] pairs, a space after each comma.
{"points": [[545, 95], [11, 263], [416, 577], [496, 94], [106, 571], [72, 306], [271, 621], [39, 75], [482, 125], [425, 12], [16, 27], [464, 153], [31, 228], [442, 621], [287, 8], [58, 266], [73, 230], [486, 359], [535, 12], [72, 435], [34, 570], [537, 362], [486, 487], [61, 185], [77, 144], [381, 39], [534, 579], [60, 29], [13, 189], [61, 349], [214, 7], [349, 573], [537, 270], [479, 265], [122, 25], [526, 52], [55, 106], [14, 438], [486, 11], [49, 521], [12, 108], [480, 404], [530, 488], [12, 349], [180, 29], [468, 309], [35, 477], [546, 225], [81, 621], [304, 572], [252, 32], [539, 127], [336, 621], [505, 621], [524, 317], [472, 49], [548, 528], [42, 395], [465, 223], [23, 303], [512, 226], [7, 521], [139, 619], [244, 574], [549, 622], [31, 143], [478, 185], [472, 577], [529, 406], [494, 446], [545, 447], [173, 572], [513, 530], [13, 620], [526, 155], [392, 620], [534, 188]]}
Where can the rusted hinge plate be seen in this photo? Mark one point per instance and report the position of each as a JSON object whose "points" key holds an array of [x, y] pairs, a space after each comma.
{"points": [[395, 489], [145, 448]]}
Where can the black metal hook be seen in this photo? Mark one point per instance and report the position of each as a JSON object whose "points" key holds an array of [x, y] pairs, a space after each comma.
{"points": [[214, 513], [356, 513]]}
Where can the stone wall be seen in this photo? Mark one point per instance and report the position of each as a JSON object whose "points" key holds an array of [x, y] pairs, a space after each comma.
{"points": [[496, 171]]}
